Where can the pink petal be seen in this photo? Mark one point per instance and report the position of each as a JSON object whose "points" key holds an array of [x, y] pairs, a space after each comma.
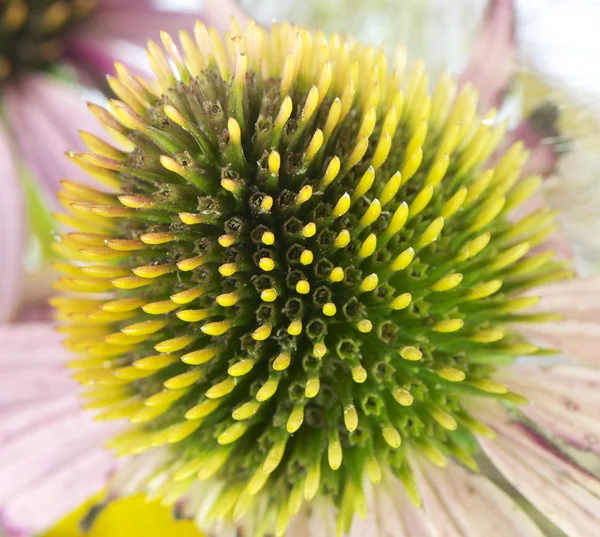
{"points": [[44, 116], [578, 335], [564, 493], [564, 400], [51, 451], [12, 228], [463, 504], [491, 66]]}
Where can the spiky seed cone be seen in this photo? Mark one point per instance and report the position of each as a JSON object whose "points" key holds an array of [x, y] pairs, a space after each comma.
{"points": [[302, 268], [31, 32]]}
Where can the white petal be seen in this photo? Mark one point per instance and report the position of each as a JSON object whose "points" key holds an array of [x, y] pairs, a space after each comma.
{"points": [[564, 400], [564, 493], [463, 504], [578, 335], [51, 451]]}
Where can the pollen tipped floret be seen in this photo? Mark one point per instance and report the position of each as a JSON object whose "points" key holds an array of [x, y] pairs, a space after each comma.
{"points": [[30, 32], [301, 264]]}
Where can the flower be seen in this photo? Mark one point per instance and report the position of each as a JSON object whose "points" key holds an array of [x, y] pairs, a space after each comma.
{"points": [[46, 45], [303, 278]]}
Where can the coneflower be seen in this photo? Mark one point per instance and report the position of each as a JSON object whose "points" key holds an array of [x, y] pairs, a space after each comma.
{"points": [[300, 268]]}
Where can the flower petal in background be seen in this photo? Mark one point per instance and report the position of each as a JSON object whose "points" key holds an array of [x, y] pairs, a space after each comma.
{"points": [[563, 400], [51, 453], [12, 224], [562, 491], [578, 335], [43, 116]]}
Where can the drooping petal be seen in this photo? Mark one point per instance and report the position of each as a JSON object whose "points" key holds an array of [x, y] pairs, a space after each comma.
{"points": [[44, 116], [491, 66], [578, 335], [463, 504], [116, 24], [563, 400], [12, 230], [567, 495], [51, 451]]}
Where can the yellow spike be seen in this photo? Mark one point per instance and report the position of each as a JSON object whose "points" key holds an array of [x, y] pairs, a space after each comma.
{"points": [[329, 309], [295, 328], [315, 145], [303, 287], [262, 332], [304, 195], [274, 456], [343, 239], [217, 328], [174, 344], [202, 410], [309, 230], [183, 381], [332, 171], [364, 326], [192, 263], [131, 282], [221, 389], [319, 350], [336, 275], [484, 290], [144, 328], [403, 260], [391, 189], [306, 257], [268, 238], [447, 282], [267, 390], [333, 117], [489, 212], [371, 214], [201, 356], [412, 161], [229, 240], [517, 304], [187, 296], [266, 264], [431, 233], [154, 363], [368, 124], [342, 206], [310, 105], [193, 316], [267, 204], [359, 374], [365, 183], [398, 219], [391, 436], [274, 163], [357, 153], [444, 419], [472, 248], [401, 302], [268, 295], [152, 271], [421, 201], [312, 388], [334, 454], [487, 336], [510, 256], [228, 299], [367, 248], [451, 374], [232, 433], [434, 455], [448, 325], [165, 397], [246, 411], [369, 283], [350, 417], [282, 361], [489, 386], [295, 419], [382, 151], [412, 354], [402, 397], [123, 305]]}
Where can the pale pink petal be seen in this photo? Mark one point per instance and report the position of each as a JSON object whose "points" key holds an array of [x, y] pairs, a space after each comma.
{"points": [[563, 400], [51, 451], [578, 335], [44, 116], [12, 228], [491, 66], [463, 504], [564, 493]]}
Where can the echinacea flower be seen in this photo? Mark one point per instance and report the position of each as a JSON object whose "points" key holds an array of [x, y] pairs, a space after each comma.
{"points": [[304, 290], [45, 46]]}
